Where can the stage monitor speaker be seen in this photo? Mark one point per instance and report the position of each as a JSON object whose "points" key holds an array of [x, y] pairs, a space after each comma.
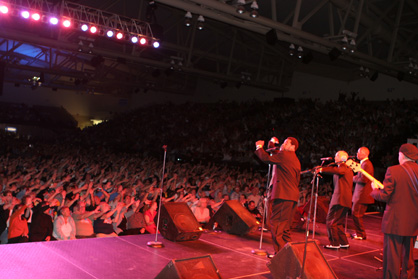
{"points": [[192, 268], [288, 262], [234, 218], [177, 222]]}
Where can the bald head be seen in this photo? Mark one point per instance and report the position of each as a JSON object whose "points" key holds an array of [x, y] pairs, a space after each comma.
{"points": [[363, 153], [341, 156]]}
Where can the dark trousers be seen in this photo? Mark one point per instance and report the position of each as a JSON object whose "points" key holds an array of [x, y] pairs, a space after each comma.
{"points": [[398, 252], [281, 217], [335, 225], [358, 211]]}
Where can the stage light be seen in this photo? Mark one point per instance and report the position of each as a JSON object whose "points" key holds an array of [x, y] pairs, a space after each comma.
{"points": [[291, 49], [25, 14], [110, 33], [36, 16], [84, 27], [93, 29], [156, 44], [119, 36], [240, 6], [188, 20], [4, 9], [66, 23], [300, 52], [143, 41], [254, 7], [134, 39], [53, 20], [200, 22]]}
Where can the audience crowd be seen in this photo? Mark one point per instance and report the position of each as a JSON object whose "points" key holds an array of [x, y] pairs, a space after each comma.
{"points": [[106, 180]]}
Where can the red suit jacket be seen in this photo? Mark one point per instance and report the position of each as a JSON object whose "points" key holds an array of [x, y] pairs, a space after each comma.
{"points": [[401, 213], [287, 174], [363, 186], [343, 184]]}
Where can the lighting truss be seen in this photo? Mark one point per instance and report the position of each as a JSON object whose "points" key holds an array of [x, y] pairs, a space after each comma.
{"points": [[79, 14]]}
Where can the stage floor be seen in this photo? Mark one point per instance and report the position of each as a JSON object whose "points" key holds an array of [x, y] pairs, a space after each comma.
{"points": [[130, 257]]}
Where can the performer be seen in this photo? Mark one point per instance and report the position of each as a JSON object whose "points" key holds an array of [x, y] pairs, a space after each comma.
{"points": [[340, 202], [361, 196], [285, 192], [400, 219]]}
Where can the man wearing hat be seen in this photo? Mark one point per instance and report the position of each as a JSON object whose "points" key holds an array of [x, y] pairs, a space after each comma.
{"points": [[400, 219], [285, 192]]}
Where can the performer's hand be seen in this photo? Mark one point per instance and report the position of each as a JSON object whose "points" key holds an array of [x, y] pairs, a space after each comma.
{"points": [[374, 186], [259, 144]]}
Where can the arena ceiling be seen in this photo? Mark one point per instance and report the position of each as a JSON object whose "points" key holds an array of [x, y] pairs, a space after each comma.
{"points": [[340, 39]]}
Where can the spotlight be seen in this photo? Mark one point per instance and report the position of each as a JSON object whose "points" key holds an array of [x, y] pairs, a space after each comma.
{"points": [[300, 52], [4, 9], [110, 33], [53, 20], [25, 14], [66, 23], [254, 7], [134, 39], [188, 20], [292, 49], [200, 22], [119, 36], [80, 46], [93, 29], [36, 16], [84, 27], [352, 46], [240, 6], [143, 41]]}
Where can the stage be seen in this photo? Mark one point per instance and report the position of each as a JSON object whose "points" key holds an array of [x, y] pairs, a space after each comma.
{"points": [[130, 257]]}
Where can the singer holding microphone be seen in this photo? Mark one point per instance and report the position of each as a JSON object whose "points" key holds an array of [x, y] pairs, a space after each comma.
{"points": [[285, 193], [340, 202]]}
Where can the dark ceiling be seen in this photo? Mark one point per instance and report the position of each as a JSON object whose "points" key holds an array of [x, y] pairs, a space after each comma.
{"points": [[232, 48]]}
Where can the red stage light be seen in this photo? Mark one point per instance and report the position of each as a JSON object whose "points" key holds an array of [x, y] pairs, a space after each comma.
{"points": [[4, 9], [36, 16], [143, 41], [119, 36], [66, 23], [93, 29]]}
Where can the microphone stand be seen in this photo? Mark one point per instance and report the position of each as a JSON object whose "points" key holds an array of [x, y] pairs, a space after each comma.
{"points": [[260, 251], [314, 192], [156, 243]]}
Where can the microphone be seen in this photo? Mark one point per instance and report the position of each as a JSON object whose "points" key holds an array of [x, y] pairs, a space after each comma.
{"points": [[273, 145], [327, 159]]}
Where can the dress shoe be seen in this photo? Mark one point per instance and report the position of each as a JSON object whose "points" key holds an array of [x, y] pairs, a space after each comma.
{"points": [[332, 246], [359, 237], [270, 256], [345, 246]]}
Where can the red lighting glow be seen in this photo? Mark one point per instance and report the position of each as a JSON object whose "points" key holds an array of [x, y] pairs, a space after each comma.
{"points": [[93, 29], [36, 16], [143, 41], [66, 23], [4, 9], [119, 36]]}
